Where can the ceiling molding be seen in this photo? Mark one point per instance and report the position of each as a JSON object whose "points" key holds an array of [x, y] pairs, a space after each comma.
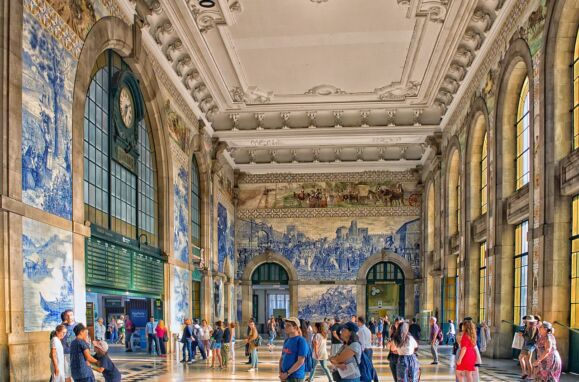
{"points": [[324, 168]]}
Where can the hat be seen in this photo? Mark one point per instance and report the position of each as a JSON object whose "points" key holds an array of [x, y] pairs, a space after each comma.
{"points": [[351, 327], [547, 325], [531, 320], [295, 320], [102, 345]]}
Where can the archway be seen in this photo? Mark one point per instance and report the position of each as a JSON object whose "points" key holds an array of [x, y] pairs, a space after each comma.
{"points": [[268, 286], [385, 290]]}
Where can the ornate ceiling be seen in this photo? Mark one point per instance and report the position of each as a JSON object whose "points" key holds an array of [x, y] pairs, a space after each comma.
{"points": [[316, 85]]}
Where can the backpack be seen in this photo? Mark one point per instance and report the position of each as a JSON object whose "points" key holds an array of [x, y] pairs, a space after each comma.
{"points": [[439, 335], [366, 368]]}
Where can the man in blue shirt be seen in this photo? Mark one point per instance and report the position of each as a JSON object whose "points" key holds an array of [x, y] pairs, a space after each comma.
{"points": [[68, 321], [151, 335], [294, 352]]}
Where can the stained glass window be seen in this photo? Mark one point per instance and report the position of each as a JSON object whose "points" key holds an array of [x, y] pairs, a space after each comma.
{"points": [[523, 137], [114, 197]]}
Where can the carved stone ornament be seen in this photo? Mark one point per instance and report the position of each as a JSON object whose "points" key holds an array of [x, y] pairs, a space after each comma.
{"points": [[397, 91], [325, 90], [435, 10], [206, 18], [182, 134], [252, 96]]}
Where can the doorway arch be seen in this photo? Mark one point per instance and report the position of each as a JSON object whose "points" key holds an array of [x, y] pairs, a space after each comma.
{"points": [[408, 296], [268, 271], [385, 290]]}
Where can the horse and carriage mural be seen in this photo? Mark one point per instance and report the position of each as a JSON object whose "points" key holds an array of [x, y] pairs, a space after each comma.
{"points": [[329, 194]]}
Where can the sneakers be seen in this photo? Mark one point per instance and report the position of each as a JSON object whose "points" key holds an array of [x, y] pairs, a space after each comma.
{"points": [[191, 361], [434, 363], [252, 369]]}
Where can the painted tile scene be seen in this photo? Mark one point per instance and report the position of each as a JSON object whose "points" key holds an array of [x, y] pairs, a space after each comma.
{"points": [[48, 275]]}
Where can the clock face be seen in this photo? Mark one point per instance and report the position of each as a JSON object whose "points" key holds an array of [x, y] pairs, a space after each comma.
{"points": [[126, 107]]}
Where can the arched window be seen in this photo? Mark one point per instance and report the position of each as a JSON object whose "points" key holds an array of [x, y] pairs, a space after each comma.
{"points": [[385, 290], [484, 177], [117, 197], [522, 158], [521, 271], [576, 93], [482, 282], [195, 205], [575, 263], [270, 273]]}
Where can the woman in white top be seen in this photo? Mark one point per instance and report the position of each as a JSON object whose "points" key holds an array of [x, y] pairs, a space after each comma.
{"points": [[206, 335], [320, 350], [57, 355], [407, 368]]}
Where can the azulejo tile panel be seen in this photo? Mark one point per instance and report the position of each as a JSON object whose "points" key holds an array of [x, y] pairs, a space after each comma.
{"points": [[317, 302], [181, 214], [181, 295], [48, 274], [225, 240], [48, 72], [329, 248]]}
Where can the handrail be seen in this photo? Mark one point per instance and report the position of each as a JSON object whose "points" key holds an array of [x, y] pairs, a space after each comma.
{"points": [[566, 326]]}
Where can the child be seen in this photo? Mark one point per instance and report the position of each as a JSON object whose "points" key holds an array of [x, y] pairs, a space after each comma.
{"points": [[57, 354], [105, 364]]}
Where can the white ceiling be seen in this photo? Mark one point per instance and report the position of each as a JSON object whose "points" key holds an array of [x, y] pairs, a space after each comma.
{"points": [[374, 77]]}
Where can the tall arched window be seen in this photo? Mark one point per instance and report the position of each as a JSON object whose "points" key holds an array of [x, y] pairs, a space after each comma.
{"points": [[522, 158], [576, 94], [575, 263], [484, 177], [521, 271], [195, 205], [116, 197], [482, 282]]}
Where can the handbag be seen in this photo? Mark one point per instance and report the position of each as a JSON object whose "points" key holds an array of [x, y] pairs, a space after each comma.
{"points": [[165, 337], [336, 376], [518, 341]]}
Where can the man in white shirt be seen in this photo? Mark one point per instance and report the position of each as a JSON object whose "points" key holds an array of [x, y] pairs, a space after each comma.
{"points": [[451, 333], [151, 335], [365, 337]]}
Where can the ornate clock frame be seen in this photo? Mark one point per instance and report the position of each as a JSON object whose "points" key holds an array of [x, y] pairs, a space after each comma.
{"points": [[125, 139]]}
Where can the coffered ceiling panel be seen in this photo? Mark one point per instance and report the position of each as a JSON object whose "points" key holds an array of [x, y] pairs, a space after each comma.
{"points": [[312, 85]]}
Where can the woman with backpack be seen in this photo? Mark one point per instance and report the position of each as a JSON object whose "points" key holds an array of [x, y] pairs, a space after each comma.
{"points": [[253, 344], [407, 367], [320, 351], [349, 356]]}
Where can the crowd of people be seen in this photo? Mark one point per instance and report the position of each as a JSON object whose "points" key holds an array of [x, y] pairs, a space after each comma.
{"points": [[305, 347], [70, 353]]}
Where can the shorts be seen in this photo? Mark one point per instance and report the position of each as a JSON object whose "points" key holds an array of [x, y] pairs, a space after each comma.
{"points": [[528, 349], [215, 346], [67, 373]]}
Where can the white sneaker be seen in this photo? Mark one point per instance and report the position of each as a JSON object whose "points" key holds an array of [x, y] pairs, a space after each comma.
{"points": [[252, 369]]}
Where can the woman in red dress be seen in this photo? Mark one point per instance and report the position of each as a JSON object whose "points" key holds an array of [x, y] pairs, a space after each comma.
{"points": [[465, 364]]}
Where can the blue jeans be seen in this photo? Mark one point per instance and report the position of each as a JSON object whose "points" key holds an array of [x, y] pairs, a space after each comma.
{"points": [[254, 358], [271, 337], [187, 350], [152, 341], [324, 364], [198, 344], [351, 380]]}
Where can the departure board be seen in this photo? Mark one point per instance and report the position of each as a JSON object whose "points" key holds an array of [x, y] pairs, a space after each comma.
{"points": [[112, 266]]}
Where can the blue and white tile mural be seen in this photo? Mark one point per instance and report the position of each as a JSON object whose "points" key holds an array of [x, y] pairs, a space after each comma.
{"points": [[48, 277], [181, 211], [181, 295], [225, 239], [316, 302], [328, 248], [48, 72]]}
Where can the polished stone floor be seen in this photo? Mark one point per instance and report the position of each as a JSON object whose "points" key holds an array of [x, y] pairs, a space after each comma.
{"points": [[139, 367]]}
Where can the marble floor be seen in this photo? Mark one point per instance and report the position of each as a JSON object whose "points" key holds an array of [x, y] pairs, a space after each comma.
{"points": [[139, 367]]}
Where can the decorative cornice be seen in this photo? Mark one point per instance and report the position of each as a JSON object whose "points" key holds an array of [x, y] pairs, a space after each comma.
{"points": [[329, 212], [367, 176]]}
